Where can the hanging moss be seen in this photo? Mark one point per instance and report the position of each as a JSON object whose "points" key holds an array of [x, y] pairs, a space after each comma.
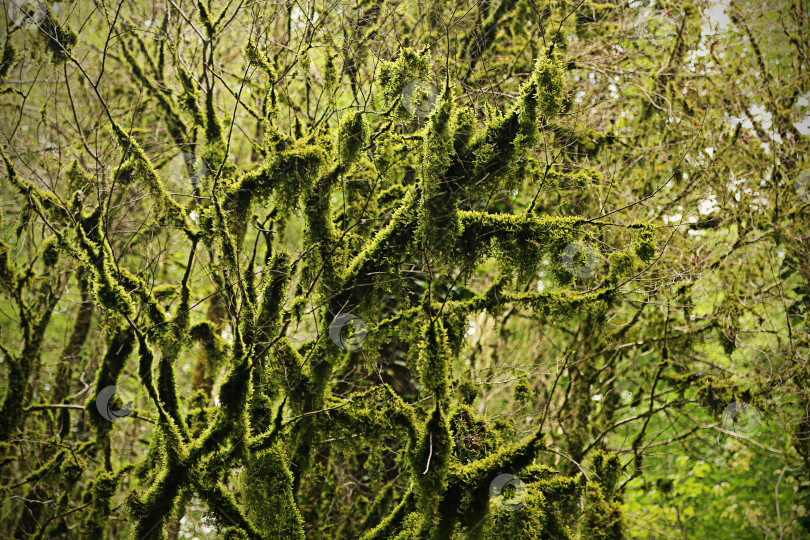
{"points": [[59, 39], [259, 58], [434, 360], [644, 243], [430, 462], [270, 485], [394, 75], [99, 495], [190, 98], [602, 504], [352, 137], [624, 264], [9, 54], [438, 218], [523, 390]]}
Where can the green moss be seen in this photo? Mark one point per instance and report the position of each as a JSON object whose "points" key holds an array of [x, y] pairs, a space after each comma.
{"points": [[434, 360], [467, 495], [259, 58], [112, 296], [430, 461], [467, 390], [143, 170], [99, 494], [716, 394], [50, 251], [519, 242], [352, 137], [523, 390], [120, 347], [394, 75], [438, 216], [472, 437], [602, 519], [190, 98], [624, 264], [59, 39], [527, 522], [269, 485], [550, 85], [644, 243], [292, 168], [9, 54], [394, 521], [330, 77]]}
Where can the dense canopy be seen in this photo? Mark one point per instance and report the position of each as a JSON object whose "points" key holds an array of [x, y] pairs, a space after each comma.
{"points": [[402, 269]]}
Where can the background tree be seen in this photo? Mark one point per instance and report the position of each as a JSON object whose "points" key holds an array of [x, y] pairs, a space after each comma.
{"points": [[404, 270]]}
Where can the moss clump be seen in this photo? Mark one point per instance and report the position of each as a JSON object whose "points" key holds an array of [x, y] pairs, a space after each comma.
{"points": [[467, 390], [644, 243], [190, 98], [550, 84], [112, 296], [472, 437], [523, 390], [602, 505], [352, 137], [59, 39], [50, 251], [259, 58], [434, 360], [624, 264], [393, 76], [529, 521], [269, 485], [99, 495], [602, 518], [430, 460], [9, 54], [438, 214]]}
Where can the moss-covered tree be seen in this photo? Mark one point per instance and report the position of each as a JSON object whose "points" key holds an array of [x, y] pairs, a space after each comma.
{"points": [[354, 262]]}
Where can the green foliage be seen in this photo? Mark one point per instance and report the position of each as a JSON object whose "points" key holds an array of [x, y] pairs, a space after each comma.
{"points": [[410, 251]]}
